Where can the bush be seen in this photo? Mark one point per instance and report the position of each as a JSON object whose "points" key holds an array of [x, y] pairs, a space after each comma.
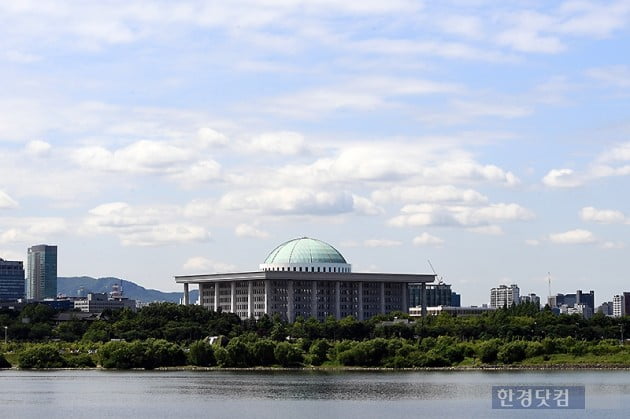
{"points": [[80, 361], [319, 351], [3, 362], [41, 356], [149, 354], [201, 354], [263, 352], [512, 352], [288, 355], [487, 351]]}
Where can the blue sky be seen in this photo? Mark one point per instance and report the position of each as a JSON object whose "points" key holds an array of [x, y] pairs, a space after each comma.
{"points": [[149, 139]]}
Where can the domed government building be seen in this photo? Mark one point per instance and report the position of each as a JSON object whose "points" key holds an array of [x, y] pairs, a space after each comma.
{"points": [[305, 277]]}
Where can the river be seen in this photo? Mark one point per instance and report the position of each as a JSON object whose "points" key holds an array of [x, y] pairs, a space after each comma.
{"points": [[294, 394]]}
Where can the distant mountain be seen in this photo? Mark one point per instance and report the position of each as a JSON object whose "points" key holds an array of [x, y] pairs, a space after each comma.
{"points": [[71, 286]]}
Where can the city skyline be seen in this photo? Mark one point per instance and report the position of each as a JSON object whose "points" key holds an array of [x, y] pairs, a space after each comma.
{"points": [[149, 139]]}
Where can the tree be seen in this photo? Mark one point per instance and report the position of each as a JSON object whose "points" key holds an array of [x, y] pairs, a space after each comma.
{"points": [[201, 354], [288, 355], [41, 356], [3, 362]]}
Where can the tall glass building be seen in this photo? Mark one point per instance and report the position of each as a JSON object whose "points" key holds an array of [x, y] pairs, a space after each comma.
{"points": [[42, 272], [11, 280]]}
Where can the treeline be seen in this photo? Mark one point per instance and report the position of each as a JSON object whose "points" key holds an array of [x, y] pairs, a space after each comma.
{"points": [[186, 324], [173, 335]]}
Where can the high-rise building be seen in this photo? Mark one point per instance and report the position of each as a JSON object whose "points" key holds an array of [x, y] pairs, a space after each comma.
{"points": [[437, 295], [619, 305], [626, 299], [11, 280], [570, 300], [42, 272], [504, 296], [531, 298]]}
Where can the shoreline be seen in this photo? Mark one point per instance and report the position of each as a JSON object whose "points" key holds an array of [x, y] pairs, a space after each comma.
{"points": [[489, 368]]}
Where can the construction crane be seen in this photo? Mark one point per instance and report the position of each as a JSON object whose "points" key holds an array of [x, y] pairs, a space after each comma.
{"points": [[439, 278]]}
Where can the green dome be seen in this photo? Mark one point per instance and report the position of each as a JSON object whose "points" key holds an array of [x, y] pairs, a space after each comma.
{"points": [[304, 251]]}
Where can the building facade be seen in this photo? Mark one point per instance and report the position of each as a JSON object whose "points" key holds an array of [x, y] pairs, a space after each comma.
{"points": [[42, 272], [453, 311], [570, 300], [308, 278], [504, 296], [11, 280], [436, 295], [531, 298], [98, 302], [619, 305]]}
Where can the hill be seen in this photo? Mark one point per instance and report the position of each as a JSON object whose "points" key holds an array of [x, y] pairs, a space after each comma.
{"points": [[71, 286]]}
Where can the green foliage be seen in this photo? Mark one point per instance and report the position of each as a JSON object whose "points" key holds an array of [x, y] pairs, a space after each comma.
{"points": [[512, 352], [80, 361], [41, 356], [263, 352], [3, 362], [319, 351], [487, 351], [201, 354], [148, 354], [288, 355]]}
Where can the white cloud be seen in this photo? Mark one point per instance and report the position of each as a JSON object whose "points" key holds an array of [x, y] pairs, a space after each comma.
{"points": [[426, 239], [38, 148], [246, 230], [489, 230], [440, 215], [613, 245], [31, 229], [577, 236], [294, 201], [602, 216], [445, 193], [280, 143], [207, 137], [6, 201], [562, 178], [142, 226], [616, 76], [202, 265], [382, 243]]}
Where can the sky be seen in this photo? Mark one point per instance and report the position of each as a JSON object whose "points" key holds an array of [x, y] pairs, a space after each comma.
{"points": [[148, 139]]}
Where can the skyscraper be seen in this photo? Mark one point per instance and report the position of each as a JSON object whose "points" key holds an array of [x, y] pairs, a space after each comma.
{"points": [[42, 272], [504, 296], [11, 280]]}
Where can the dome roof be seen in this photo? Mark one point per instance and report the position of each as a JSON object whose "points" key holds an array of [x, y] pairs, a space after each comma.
{"points": [[304, 251]]}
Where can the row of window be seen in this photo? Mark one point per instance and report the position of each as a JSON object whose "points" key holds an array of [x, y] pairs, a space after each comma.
{"points": [[332, 269]]}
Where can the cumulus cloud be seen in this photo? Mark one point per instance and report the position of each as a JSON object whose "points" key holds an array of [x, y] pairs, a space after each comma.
{"points": [[381, 243], [602, 216], [246, 230], [577, 236], [562, 178], [203, 265], [32, 229], [142, 226], [294, 201], [6, 201], [207, 137], [444, 193], [441, 215], [38, 148], [426, 239], [280, 143]]}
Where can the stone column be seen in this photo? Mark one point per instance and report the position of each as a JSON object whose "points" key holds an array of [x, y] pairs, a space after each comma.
{"points": [[290, 302], [233, 297], [382, 297], [267, 291], [423, 291], [216, 296], [314, 299], [186, 295], [250, 297], [360, 301], [338, 300]]}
